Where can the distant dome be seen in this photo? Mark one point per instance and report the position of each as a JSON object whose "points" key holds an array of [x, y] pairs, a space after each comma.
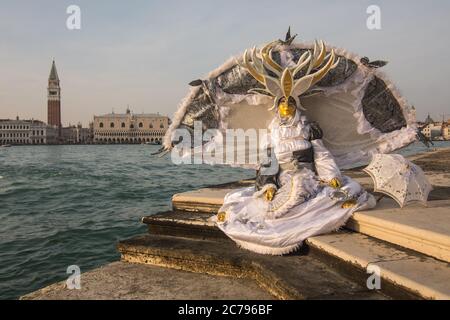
{"points": [[429, 119]]}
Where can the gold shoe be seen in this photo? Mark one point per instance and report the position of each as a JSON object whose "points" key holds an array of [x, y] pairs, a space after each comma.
{"points": [[221, 216], [349, 204], [270, 194]]}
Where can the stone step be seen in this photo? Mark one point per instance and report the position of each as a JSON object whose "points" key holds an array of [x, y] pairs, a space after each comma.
{"points": [[285, 277], [354, 252], [207, 200], [424, 229], [183, 224], [402, 268]]}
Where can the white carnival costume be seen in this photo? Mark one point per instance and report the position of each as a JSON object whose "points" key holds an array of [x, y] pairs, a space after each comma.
{"points": [[299, 191], [302, 206]]}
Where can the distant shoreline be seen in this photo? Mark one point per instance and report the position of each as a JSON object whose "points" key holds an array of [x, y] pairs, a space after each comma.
{"points": [[82, 144]]}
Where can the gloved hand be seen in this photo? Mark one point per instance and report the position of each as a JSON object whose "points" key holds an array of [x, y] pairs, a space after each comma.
{"points": [[270, 194], [335, 183]]}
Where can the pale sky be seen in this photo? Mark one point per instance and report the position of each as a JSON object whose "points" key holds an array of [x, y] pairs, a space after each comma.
{"points": [[144, 53]]}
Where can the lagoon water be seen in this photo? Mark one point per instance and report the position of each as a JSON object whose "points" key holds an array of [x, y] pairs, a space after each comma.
{"points": [[69, 205]]}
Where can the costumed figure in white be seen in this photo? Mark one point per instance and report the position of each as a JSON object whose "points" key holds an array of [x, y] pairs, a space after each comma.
{"points": [[290, 90]]}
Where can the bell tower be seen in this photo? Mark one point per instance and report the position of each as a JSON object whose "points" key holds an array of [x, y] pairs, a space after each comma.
{"points": [[54, 99]]}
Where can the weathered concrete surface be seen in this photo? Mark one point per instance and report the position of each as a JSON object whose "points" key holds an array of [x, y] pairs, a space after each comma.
{"points": [[354, 248], [296, 276], [126, 281], [206, 200], [434, 161], [183, 224], [423, 229], [427, 277], [426, 230]]}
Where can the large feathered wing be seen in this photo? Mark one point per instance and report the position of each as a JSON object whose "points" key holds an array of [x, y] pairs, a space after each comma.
{"points": [[359, 110]]}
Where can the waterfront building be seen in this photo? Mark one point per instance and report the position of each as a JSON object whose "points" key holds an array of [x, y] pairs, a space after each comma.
{"points": [[432, 130], [130, 128], [435, 130], [446, 131], [22, 132], [77, 134]]}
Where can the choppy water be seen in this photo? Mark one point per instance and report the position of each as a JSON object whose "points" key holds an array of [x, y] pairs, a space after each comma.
{"points": [[69, 205]]}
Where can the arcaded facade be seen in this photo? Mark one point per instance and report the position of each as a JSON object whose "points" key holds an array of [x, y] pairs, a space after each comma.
{"points": [[130, 128]]}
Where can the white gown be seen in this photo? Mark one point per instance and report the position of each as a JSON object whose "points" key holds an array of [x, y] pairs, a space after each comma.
{"points": [[303, 205]]}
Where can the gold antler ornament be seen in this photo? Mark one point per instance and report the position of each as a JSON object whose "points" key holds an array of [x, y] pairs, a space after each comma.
{"points": [[284, 85]]}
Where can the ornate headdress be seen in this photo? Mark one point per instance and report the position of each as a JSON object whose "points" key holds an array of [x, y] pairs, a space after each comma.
{"points": [[312, 66]]}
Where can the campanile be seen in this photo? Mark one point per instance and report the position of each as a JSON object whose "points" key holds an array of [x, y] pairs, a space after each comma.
{"points": [[54, 99]]}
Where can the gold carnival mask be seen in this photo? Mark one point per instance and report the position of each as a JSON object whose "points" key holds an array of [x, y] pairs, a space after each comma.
{"points": [[286, 111]]}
